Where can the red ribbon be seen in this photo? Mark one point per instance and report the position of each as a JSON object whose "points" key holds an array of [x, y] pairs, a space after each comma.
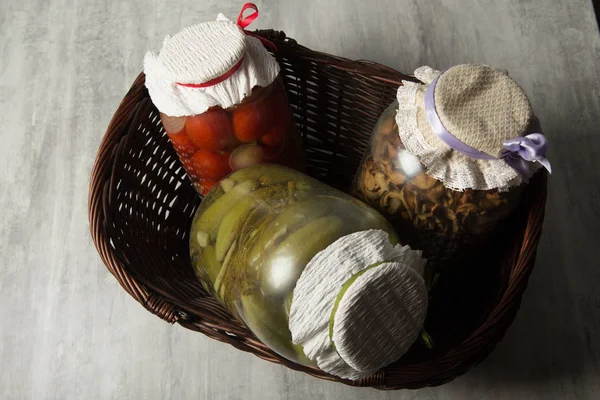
{"points": [[215, 81], [242, 22]]}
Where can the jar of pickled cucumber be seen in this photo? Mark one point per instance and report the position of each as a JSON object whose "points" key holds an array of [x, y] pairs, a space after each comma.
{"points": [[222, 101], [450, 157], [315, 274]]}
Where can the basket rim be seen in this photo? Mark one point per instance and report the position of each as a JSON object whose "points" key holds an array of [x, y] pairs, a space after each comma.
{"points": [[483, 339]]}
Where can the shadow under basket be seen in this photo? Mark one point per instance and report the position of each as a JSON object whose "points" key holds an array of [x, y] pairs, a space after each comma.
{"points": [[141, 206]]}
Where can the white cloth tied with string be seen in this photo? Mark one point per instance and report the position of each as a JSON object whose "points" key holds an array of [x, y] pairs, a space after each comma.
{"points": [[379, 315], [185, 78]]}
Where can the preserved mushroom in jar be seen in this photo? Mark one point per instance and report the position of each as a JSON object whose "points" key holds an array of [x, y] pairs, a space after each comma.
{"points": [[459, 185], [279, 249], [222, 102]]}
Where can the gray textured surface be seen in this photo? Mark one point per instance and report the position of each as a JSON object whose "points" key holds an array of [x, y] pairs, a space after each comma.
{"points": [[68, 331]]}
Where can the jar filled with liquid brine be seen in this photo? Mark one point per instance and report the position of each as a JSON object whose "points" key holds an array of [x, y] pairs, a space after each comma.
{"points": [[448, 159], [316, 275], [222, 101]]}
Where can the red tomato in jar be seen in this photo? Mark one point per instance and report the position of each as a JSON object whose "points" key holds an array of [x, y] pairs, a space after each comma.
{"points": [[270, 154], [187, 165], [182, 144], [279, 155], [251, 120], [205, 185], [211, 130], [275, 137], [206, 164]]}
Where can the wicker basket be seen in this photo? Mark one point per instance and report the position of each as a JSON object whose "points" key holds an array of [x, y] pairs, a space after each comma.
{"points": [[141, 205]]}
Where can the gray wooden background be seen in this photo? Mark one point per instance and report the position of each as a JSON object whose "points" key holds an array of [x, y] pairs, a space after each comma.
{"points": [[67, 329]]}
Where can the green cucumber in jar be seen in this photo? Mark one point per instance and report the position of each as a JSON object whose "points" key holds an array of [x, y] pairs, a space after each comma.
{"points": [[270, 324], [211, 265], [205, 265], [233, 222], [293, 216], [210, 218], [267, 174], [282, 267], [362, 217]]}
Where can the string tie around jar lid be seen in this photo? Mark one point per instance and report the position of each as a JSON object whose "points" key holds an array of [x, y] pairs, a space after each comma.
{"points": [[517, 151]]}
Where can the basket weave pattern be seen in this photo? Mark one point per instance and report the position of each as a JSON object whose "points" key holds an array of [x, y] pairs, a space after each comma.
{"points": [[141, 205]]}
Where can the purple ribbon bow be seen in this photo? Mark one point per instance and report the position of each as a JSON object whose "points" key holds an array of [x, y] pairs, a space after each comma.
{"points": [[520, 150], [517, 152]]}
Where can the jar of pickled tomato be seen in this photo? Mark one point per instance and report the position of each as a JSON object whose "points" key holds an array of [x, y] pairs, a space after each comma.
{"points": [[222, 101]]}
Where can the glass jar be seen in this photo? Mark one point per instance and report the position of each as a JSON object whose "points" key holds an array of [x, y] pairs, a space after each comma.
{"points": [[421, 208], [259, 130], [253, 235]]}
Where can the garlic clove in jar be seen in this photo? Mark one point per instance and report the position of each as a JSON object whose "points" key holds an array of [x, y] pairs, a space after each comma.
{"points": [[246, 156]]}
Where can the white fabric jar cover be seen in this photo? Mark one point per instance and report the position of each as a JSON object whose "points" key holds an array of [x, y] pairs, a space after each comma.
{"points": [[377, 318], [471, 126], [210, 64]]}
